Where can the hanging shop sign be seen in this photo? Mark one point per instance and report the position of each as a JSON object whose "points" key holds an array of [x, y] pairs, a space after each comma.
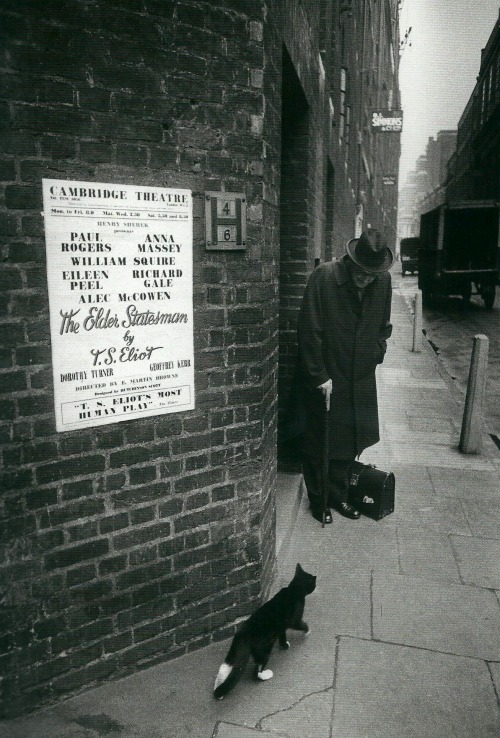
{"points": [[389, 180], [387, 121], [120, 279]]}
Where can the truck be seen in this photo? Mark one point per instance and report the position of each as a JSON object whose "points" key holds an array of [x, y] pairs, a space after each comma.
{"points": [[408, 251], [459, 251]]}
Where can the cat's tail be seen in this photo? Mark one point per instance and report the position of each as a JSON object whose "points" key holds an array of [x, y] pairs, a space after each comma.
{"points": [[233, 667]]}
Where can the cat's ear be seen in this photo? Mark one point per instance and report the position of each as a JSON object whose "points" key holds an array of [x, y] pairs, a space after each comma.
{"points": [[298, 569]]}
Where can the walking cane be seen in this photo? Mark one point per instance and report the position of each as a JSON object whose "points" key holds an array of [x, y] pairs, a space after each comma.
{"points": [[326, 453]]}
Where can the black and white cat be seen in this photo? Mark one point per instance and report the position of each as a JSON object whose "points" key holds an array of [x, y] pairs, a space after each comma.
{"points": [[257, 635]]}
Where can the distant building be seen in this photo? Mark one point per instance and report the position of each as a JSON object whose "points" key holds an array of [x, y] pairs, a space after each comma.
{"points": [[415, 187], [424, 185]]}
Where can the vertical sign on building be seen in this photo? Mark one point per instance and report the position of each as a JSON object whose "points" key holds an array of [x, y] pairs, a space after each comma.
{"points": [[120, 278]]}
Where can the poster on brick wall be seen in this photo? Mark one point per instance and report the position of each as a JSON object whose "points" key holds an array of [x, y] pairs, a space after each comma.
{"points": [[120, 280]]}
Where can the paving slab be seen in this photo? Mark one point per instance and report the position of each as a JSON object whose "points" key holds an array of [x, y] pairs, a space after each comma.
{"points": [[345, 546], [311, 717], [425, 553], [387, 691], [483, 517], [412, 477], [406, 507], [409, 380], [341, 602], [439, 455], [230, 730], [344, 610], [433, 413], [366, 545], [417, 423], [440, 616], [441, 515], [402, 434], [478, 561], [471, 483]]}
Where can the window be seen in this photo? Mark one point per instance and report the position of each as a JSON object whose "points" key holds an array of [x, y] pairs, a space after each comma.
{"points": [[484, 95], [491, 91], [347, 129]]}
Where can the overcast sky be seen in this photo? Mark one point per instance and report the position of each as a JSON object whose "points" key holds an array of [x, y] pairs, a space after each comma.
{"points": [[438, 71]]}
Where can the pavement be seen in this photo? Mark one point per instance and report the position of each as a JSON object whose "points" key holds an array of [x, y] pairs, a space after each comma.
{"points": [[405, 619]]}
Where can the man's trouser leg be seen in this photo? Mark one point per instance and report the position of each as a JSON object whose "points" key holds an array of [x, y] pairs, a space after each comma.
{"points": [[338, 480], [311, 469]]}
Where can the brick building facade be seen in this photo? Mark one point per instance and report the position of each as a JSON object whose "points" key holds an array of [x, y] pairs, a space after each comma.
{"points": [[138, 541], [473, 172]]}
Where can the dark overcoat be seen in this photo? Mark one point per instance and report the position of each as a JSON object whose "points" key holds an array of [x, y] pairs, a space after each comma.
{"points": [[342, 337]]}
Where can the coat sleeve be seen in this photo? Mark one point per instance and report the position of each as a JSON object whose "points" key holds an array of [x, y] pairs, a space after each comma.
{"points": [[310, 333], [386, 325]]}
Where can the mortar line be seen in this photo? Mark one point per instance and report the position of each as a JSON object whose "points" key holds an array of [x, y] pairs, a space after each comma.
{"points": [[488, 664], [334, 683], [258, 724], [461, 504], [421, 648], [481, 538], [454, 553], [398, 545]]}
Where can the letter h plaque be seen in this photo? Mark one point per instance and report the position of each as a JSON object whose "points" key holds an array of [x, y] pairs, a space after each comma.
{"points": [[225, 221]]}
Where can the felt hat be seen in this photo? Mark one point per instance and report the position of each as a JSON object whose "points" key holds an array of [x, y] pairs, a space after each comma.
{"points": [[370, 251]]}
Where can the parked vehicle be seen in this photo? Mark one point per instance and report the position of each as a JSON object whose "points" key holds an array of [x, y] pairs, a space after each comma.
{"points": [[408, 251], [460, 250]]}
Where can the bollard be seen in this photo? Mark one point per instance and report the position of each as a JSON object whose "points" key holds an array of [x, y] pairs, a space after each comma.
{"points": [[473, 418], [417, 323]]}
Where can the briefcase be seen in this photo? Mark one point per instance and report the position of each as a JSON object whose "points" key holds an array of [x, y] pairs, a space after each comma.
{"points": [[371, 490]]}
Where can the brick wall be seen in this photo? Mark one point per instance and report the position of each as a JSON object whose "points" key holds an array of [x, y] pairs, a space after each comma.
{"points": [[130, 543]]}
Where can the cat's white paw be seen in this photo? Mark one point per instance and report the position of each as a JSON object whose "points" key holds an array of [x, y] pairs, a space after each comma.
{"points": [[306, 632], [286, 645], [265, 675]]}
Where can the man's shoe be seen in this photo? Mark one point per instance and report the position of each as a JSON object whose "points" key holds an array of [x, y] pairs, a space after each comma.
{"points": [[347, 510], [317, 513]]}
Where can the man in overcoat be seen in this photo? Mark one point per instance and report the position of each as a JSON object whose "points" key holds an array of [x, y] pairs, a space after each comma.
{"points": [[343, 326]]}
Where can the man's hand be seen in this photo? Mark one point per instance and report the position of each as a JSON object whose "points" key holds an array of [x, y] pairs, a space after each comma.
{"points": [[326, 390]]}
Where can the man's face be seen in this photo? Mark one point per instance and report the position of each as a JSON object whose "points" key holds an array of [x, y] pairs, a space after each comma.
{"points": [[360, 278]]}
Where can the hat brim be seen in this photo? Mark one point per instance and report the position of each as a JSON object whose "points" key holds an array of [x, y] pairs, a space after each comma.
{"points": [[384, 267]]}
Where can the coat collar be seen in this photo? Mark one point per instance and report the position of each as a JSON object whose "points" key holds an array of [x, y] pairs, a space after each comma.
{"points": [[340, 271]]}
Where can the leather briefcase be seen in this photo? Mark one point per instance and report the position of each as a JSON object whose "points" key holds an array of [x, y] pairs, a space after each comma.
{"points": [[371, 490]]}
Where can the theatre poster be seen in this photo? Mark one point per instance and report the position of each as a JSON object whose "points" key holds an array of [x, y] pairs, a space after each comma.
{"points": [[120, 281]]}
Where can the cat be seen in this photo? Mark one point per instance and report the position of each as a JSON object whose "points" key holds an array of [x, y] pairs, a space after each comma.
{"points": [[257, 635]]}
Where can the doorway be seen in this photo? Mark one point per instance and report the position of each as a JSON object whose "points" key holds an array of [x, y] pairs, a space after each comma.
{"points": [[295, 264]]}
